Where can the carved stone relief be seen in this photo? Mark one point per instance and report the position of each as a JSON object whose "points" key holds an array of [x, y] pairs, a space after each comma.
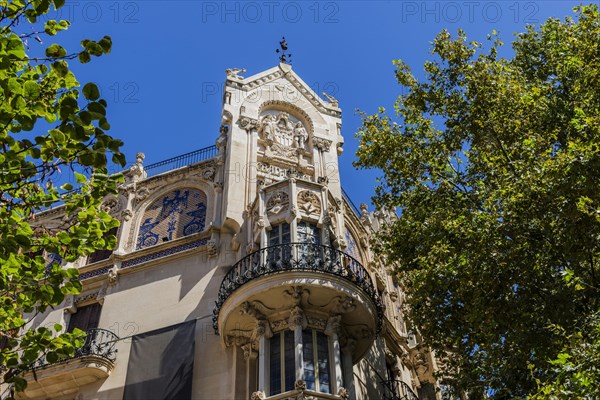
{"points": [[283, 136], [322, 144], [309, 203], [278, 202], [112, 205]]}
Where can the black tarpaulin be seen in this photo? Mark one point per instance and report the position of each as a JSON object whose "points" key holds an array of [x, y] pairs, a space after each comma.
{"points": [[161, 364]]}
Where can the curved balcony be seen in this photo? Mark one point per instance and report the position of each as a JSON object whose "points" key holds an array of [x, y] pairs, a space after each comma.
{"points": [[91, 362], [268, 277], [395, 389]]}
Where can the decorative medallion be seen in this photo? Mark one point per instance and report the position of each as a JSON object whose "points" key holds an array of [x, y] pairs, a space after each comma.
{"points": [[278, 202], [309, 203]]}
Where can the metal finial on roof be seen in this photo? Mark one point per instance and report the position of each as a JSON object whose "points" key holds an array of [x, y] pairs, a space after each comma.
{"points": [[285, 57]]}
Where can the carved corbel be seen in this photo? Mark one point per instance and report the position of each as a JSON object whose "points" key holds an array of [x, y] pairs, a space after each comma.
{"points": [[322, 144], [300, 385], [212, 246], [126, 215], [70, 307], [263, 328], [258, 396], [140, 195], [248, 123], [250, 352], [113, 275], [297, 318], [298, 295], [218, 187], [343, 393]]}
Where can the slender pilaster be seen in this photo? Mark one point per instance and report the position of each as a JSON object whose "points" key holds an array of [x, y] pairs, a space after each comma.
{"points": [[347, 351], [262, 363]]}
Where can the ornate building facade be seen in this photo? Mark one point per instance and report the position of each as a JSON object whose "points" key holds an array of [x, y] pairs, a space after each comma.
{"points": [[242, 271]]}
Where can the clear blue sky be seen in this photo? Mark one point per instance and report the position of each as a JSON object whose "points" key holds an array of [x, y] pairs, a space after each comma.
{"points": [[164, 77]]}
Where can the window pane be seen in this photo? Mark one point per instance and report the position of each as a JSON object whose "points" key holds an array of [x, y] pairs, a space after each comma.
{"points": [[323, 360], [290, 364], [285, 233], [309, 362], [275, 364], [85, 318]]}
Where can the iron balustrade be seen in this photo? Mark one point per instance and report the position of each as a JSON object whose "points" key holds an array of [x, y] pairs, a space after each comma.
{"points": [[397, 390], [97, 342], [182, 160], [296, 257]]}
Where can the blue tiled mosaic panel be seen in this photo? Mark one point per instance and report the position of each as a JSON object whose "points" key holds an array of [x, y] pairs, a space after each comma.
{"points": [[179, 213]]}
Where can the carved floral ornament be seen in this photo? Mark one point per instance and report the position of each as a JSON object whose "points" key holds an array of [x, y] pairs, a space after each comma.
{"points": [[112, 205], [322, 144], [308, 202], [278, 202]]}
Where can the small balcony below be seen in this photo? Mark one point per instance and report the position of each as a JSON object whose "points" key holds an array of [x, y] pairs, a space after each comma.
{"points": [[92, 362]]}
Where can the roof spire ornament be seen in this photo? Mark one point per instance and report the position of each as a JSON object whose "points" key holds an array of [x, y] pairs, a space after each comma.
{"points": [[285, 57]]}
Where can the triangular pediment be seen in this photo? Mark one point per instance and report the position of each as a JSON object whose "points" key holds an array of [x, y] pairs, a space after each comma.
{"points": [[283, 72]]}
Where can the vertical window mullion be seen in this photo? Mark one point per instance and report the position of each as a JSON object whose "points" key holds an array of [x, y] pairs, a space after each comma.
{"points": [[282, 361], [316, 358]]}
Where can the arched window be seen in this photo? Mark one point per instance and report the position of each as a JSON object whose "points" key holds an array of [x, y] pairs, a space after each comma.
{"points": [[179, 213], [352, 249]]}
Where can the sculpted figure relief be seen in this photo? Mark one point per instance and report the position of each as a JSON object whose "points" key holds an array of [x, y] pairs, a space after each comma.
{"points": [[300, 135], [283, 134], [268, 128]]}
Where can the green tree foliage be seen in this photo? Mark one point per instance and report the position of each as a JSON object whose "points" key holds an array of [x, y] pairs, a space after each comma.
{"points": [[47, 125], [494, 164]]}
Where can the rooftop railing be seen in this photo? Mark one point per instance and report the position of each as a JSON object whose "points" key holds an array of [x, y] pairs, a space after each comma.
{"points": [[182, 160], [349, 200]]}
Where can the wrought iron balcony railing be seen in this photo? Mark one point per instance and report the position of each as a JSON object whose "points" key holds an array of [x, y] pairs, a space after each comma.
{"points": [[98, 342], [297, 257], [397, 390]]}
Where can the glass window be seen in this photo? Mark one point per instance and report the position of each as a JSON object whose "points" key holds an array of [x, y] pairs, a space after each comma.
{"points": [[279, 234], [308, 233], [315, 353], [282, 372], [85, 318], [278, 254], [315, 347], [309, 252]]}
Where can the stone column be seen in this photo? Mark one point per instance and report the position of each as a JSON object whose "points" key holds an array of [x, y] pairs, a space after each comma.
{"points": [[347, 351], [250, 355], [297, 322], [261, 331], [332, 329]]}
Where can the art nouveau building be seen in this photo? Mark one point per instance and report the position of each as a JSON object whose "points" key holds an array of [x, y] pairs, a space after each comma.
{"points": [[242, 271]]}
